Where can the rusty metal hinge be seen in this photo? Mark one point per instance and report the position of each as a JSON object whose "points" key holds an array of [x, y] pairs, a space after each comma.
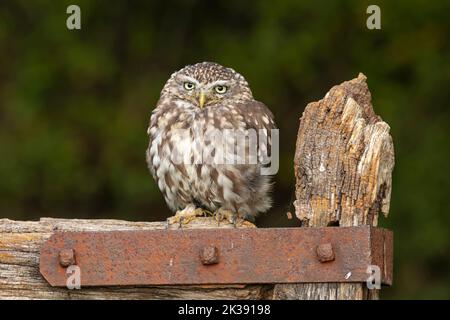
{"points": [[219, 256]]}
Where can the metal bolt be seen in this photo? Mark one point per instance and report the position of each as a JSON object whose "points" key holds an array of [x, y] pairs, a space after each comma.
{"points": [[325, 252], [67, 257], [209, 255]]}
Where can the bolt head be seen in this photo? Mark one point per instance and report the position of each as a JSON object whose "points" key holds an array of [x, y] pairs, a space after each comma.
{"points": [[209, 255], [66, 257], [325, 252]]}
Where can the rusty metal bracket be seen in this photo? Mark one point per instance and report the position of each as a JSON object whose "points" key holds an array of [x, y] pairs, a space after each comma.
{"points": [[218, 256]]}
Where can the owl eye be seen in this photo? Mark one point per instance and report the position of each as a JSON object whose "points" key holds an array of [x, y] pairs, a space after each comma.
{"points": [[188, 85], [220, 89]]}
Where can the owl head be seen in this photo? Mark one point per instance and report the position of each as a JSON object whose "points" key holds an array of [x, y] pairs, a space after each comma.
{"points": [[207, 84]]}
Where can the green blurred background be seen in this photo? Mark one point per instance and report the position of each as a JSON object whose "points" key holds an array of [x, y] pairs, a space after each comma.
{"points": [[74, 105]]}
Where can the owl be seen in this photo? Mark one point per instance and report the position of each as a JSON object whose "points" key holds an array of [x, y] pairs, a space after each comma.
{"points": [[198, 102]]}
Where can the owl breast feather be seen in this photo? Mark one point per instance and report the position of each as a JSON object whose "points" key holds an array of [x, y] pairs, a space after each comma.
{"points": [[176, 159]]}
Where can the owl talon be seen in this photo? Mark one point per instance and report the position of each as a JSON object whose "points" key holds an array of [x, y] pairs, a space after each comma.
{"points": [[235, 220], [180, 222], [225, 214], [218, 217], [207, 213]]}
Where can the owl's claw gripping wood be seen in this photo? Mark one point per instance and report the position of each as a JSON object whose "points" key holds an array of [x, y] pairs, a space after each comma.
{"points": [[186, 215], [225, 214], [207, 213]]}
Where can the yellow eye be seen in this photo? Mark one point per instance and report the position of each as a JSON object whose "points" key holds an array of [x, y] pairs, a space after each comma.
{"points": [[220, 89], [188, 85]]}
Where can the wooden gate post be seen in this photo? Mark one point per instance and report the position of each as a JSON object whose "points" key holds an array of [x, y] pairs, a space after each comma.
{"points": [[343, 164]]}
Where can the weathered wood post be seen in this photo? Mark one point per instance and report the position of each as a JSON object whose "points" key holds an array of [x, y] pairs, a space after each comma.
{"points": [[343, 164]]}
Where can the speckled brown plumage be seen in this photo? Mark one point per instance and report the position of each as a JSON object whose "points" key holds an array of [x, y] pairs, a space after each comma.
{"points": [[239, 188]]}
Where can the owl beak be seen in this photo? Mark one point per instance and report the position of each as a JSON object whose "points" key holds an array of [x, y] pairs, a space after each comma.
{"points": [[201, 99]]}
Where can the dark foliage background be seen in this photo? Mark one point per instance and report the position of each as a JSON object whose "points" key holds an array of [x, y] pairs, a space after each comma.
{"points": [[74, 105]]}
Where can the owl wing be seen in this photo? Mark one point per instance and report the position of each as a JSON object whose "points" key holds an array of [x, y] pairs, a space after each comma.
{"points": [[259, 118], [157, 134]]}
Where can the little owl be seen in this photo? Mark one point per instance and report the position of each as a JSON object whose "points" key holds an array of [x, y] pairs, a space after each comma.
{"points": [[198, 101]]}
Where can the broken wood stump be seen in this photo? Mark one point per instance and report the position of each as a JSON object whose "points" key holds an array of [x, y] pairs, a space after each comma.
{"points": [[343, 166]]}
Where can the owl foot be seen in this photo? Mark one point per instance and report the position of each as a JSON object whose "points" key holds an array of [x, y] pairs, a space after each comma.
{"points": [[186, 215], [225, 214], [207, 213]]}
